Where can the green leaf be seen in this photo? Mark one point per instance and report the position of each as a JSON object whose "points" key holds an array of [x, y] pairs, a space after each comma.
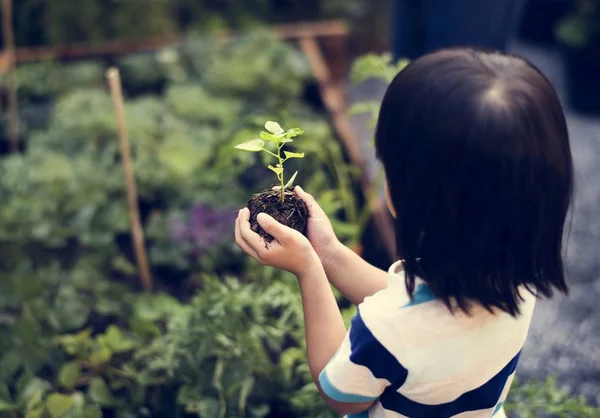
{"points": [[289, 154], [33, 391], [9, 364], [6, 406], [91, 411], [254, 145], [291, 181], [4, 393], [100, 356], [98, 392], [59, 405], [269, 137], [143, 328], [193, 401], [294, 132], [273, 127], [276, 170], [116, 341], [74, 344], [68, 374], [71, 309], [35, 413]]}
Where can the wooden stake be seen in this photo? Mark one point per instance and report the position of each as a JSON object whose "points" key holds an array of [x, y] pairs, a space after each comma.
{"points": [[9, 45], [335, 102], [137, 233]]}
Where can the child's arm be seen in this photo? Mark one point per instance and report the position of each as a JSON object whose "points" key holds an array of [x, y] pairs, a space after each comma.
{"points": [[325, 328], [346, 270], [325, 331]]}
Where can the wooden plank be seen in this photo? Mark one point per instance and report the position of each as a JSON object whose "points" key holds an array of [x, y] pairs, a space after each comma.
{"points": [[83, 50], [333, 28], [335, 103]]}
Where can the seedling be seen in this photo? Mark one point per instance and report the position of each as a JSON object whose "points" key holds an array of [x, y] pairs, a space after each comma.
{"points": [[279, 137], [282, 204]]}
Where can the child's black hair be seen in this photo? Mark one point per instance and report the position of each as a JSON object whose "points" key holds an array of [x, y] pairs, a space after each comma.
{"points": [[476, 154]]}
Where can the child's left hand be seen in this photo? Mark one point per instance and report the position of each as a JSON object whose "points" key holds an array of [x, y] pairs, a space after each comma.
{"points": [[289, 251]]}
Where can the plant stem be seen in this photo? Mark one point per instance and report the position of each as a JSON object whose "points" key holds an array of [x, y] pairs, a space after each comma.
{"points": [[281, 175], [269, 152]]}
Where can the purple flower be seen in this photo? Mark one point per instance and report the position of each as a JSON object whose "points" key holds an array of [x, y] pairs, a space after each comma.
{"points": [[205, 227]]}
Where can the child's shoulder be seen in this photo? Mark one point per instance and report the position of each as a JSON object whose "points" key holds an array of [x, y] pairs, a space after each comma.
{"points": [[402, 323]]}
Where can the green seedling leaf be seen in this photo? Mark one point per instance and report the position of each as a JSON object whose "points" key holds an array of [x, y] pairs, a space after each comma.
{"points": [[274, 127], [276, 170], [68, 374], [254, 145], [291, 181], [270, 137], [294, 132], [59, 405], [275, 133], [289, 154]]}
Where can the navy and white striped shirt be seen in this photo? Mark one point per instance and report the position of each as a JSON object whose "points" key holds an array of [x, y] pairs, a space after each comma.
{"points": [[415, 358]]}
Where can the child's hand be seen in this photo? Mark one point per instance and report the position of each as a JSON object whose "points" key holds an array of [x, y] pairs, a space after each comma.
{"points": [[320, 232], [289, 251]]}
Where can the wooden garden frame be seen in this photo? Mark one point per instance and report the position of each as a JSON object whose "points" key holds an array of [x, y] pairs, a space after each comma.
{"points": [[333, 35]]}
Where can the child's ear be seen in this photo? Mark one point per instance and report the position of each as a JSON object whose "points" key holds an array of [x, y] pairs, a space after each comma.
{"points": [[388, 200]]}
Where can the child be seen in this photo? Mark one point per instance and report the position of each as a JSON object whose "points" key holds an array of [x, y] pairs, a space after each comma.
{"points": [[479, 176]]}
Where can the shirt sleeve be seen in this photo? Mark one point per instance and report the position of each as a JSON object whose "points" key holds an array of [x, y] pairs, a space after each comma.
{"points": [[361, 369]]}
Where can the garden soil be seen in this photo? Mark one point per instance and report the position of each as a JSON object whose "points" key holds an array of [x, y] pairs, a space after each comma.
{"points": [[291, 212]]}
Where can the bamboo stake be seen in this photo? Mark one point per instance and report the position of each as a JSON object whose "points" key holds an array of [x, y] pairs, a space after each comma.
{"points": [[9, 46], [137, 233]]}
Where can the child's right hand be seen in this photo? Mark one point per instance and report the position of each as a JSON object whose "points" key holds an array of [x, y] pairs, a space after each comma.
{"points": [[319, 230]]}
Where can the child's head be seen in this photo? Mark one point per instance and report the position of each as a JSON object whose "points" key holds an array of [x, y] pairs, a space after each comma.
{"points": [[476, 154]]}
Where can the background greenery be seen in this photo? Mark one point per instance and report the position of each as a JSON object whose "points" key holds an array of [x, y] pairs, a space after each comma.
{"points": [[220, 336], [41, 22]]}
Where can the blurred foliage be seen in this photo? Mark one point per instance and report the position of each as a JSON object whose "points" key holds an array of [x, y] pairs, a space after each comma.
{"points": [[41, 22], [581, 27], [380, 67], [535, 398], [222, 336]]}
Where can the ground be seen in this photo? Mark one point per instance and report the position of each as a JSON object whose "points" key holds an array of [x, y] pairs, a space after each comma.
{"points": [[565, 334]]}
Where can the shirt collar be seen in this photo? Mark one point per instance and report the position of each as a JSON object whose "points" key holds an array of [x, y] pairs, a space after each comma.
{"points": [[396, 271]]}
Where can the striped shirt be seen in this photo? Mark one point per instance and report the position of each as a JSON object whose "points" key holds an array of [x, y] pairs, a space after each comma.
{"points": [[414, 358]]}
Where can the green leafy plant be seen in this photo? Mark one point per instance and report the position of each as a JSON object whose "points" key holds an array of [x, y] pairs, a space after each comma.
{"points": [[76, 340], [373, 66], [537, 397], [279, 137]]}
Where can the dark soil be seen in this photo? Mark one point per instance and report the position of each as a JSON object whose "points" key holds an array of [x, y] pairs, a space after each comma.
{"points": [[292, 212]]}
